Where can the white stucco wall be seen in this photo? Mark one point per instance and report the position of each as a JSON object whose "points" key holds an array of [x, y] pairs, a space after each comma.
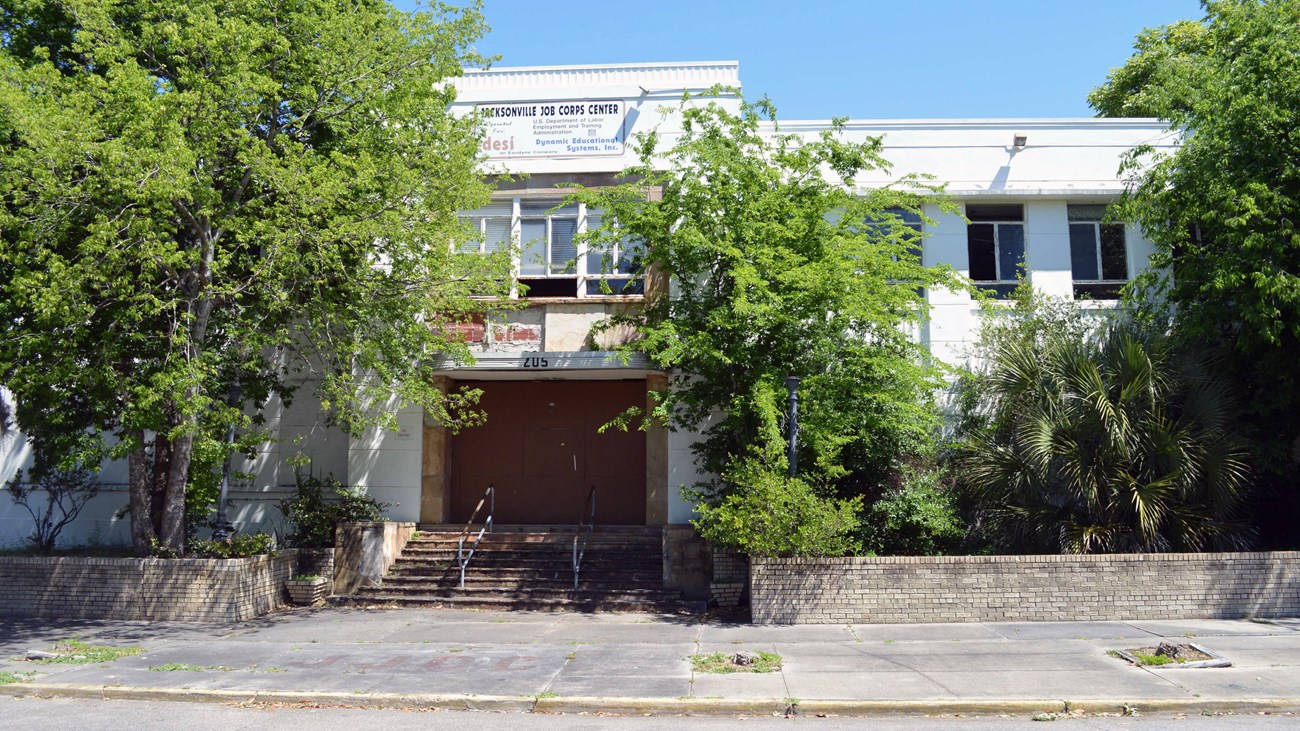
{"points": [[1063, 161], [386, 463]]}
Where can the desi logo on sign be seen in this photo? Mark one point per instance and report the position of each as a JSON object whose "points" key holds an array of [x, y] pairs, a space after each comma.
{"points": [[578, 128]]}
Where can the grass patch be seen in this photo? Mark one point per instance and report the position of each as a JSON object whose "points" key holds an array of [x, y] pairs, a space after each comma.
{"points": [[11, 678], [76, 652], [719, 662], [1146, 659], [173, 667]]}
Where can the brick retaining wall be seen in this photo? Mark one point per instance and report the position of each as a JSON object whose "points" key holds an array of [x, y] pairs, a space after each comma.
{"points": [[197, 590], [906, 589], [730, 578]]}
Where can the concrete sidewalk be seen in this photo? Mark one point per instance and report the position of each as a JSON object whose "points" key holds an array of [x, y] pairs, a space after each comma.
{"points": [[629, 663]]}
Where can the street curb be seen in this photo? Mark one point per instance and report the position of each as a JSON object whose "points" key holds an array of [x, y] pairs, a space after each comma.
{"points": [[616, 706], [290, 697]]}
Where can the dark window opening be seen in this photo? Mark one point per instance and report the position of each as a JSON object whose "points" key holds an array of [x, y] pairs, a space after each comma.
{"points": [[995, 243], [548, 287], [1098, 253]]}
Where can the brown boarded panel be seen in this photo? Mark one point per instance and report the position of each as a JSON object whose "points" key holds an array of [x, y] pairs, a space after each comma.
{"points": [[491, 454], [540, 446], [616, 458]]}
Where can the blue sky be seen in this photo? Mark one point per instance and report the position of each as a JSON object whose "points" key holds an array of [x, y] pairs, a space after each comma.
{"points": [[857, 58]]}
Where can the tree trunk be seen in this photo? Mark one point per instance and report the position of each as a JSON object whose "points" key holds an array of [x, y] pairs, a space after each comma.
{"points": [[139, 486], [162, 459], [173, 515]]}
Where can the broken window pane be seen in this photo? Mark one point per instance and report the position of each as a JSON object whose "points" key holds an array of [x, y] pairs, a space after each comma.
{"points": [[1114, 258], [980, 243]]}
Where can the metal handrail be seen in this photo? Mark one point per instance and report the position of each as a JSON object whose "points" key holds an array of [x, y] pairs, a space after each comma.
{"points": [[590, 509], [489, 496]]}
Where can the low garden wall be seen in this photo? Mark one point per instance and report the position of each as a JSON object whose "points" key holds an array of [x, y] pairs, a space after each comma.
{"points": [[363, 552], [159, 589], [906, 589]]}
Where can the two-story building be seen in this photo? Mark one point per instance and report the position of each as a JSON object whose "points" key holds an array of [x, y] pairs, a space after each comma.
{"points": [[1032, 194]]}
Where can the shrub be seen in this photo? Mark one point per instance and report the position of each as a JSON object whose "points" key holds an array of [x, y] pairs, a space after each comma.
{"points": [[1107, 441], [919, 517], [770, 514], [236, 546], [320, 505]]}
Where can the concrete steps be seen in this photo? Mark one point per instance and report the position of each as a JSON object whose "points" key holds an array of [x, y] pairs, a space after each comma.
{"points": [[529, 568]]}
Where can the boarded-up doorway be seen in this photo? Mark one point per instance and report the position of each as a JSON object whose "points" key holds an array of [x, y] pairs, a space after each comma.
{"points": [[541, 448]]}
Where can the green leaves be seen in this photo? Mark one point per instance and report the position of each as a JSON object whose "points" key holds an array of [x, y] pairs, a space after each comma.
{"points": [[1222, 208], [770, 514], [196, 191], [1105, 441], [780, 266]]}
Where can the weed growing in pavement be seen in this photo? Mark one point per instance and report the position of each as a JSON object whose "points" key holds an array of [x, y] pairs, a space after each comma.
{"points": [[76, 652], [1146, 659], [173, 667], [719, 662]]}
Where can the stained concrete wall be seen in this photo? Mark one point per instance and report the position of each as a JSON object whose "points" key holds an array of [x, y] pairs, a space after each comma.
{"points": [[363, 553]]}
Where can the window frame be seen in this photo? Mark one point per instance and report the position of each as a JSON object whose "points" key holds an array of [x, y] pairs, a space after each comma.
{"points": [[1001, 287], [1102, 288], [585, 274]]}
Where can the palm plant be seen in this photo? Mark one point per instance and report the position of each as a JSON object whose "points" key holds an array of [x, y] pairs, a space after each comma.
{"points": [[1113, 442]]}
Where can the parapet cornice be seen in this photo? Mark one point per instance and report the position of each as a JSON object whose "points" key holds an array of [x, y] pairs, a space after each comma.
{"points": [[1023, 123], [649, 76]]}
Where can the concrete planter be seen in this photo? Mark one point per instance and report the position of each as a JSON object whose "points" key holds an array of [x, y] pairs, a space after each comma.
{"points": [[306, 592]]}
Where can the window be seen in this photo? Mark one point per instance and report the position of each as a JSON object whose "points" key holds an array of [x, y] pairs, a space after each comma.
{"points": [[616, 270], [549, 261], [995, 240], [548, 258], [493, 226], [1098, 255], [907, 219], [904, 219]]}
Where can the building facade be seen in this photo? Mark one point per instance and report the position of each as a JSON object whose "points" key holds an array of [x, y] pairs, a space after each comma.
{"points": [[1031, 193]]}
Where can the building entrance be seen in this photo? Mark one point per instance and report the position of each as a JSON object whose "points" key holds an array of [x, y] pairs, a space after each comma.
{"points": [[541, 448]]}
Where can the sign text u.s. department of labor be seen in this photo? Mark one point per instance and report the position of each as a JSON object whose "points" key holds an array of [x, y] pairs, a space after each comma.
{"points": [[578, 128]]}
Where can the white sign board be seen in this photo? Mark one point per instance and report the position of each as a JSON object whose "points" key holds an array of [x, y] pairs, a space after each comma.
{"points": [[577, 128]]}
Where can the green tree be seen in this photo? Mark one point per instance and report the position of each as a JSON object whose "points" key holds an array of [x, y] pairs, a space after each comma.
{"points": [[203, 191], [1223, 209], [1107, 437], [779, 266], [1161, 76]]}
